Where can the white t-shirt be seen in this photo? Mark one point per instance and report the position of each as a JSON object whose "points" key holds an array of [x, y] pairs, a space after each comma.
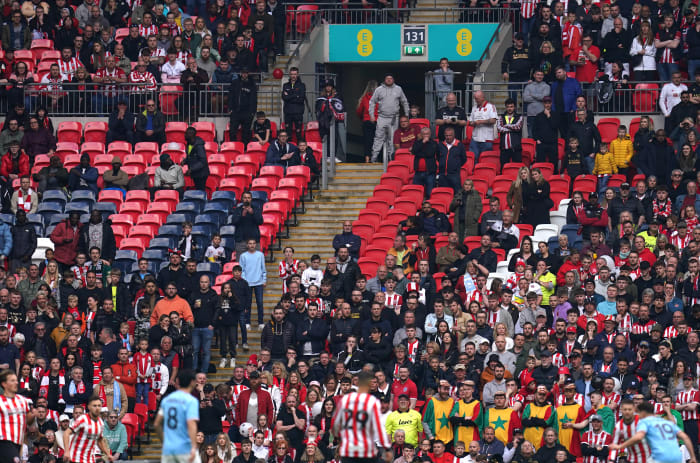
{"points": [[484, 112]]}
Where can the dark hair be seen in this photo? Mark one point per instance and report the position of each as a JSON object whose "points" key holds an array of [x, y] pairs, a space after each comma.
{"points": [[185, 377]]}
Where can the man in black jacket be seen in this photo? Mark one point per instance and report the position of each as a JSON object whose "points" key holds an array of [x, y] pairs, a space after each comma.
{"points": [[243, 102], [134, 43], [23, 241], [103, 229], [196, 159], [277, 334], [424, 161], [616, 45], [247, 218], [121, 124], [516, 65], [588, 137], [203, 303], [294, 97]]}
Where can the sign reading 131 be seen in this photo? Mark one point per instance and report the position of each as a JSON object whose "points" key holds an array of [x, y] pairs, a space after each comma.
{"points": [[414, 35]]}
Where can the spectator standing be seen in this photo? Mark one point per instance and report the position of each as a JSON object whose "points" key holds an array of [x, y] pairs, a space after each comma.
{"points": [[278, 334], [545, 129], [109, 74], [294, 97], [451, 157], [143, 88], [16, 34], [330, 114], [536, 200], [692, 39], [150, 124], [588, 136], [247, 218], [467, 207], [533, 98], [369, 124], [616, 44], [668, 50], [387, 101], [587, 61], [203, 304], [565, 90], [196, 159], [23, 241], [670, 96], [253, 265], [510, 126], [643, 53], [443, 80], [347, 239], [425, 151], [451, 115], [98, 233], [65, 238], [483, 118], [192, 79], [243, 102], [516, 65]]}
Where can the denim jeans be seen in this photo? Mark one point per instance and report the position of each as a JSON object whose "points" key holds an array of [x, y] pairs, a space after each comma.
{"points": [[258, 291], [425, 179], [589, 162], [201, 340], [142, 393], [666, 69], [693, 64], [242, 320], [478, 147]]}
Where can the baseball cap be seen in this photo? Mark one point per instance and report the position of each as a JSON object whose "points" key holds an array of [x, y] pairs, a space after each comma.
{"points": [[564, 371], [625, 186], [595, 417], [545, 353], [657, 327], [459, 366], [571, 329], [253, 359], [547, 99], [254, 374], [644, 344], [403, 396], [63, 417]]}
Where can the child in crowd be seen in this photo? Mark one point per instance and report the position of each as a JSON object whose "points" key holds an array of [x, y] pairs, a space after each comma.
{"points": [[308, 158], [125, 338], [215, 252], [312, 275], [605, 166], [187, 244], [143, 321], [143, 361], [622, 150], [572, 162], [261, 128]]}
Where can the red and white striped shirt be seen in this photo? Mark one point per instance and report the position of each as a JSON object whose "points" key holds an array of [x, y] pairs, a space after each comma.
{"points": [[69, 67], [86, 434], [638, 453], [558, 359], [593, 439], [143, 363], [527, 8], [117, 72], [412, 349], [688, 397], [613, 398], [678, 242], [672, 332], [578, 398], [392, 301], [286, 270], [357, 422], [142, 78], [145, 31], [13, 418], [11, 328]]}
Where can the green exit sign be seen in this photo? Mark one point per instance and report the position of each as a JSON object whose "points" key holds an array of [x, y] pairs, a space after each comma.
{"points": [[414, 50]]}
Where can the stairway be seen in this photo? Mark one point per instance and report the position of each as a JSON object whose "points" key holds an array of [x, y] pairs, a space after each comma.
{"points": [[270, 90], [343, 200], [434, 12]]}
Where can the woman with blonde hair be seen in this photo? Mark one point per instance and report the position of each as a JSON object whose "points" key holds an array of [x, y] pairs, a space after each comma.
{"points": [[200, 27], [275, 392], [224, 448], [368, 127], [312, 454], [514, 198], [643, 53]]}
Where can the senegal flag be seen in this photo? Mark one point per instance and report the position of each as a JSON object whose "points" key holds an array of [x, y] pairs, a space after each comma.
{"points": [[570, 437], [545, 412], [503, 421], [436, 415], [470, 411]]}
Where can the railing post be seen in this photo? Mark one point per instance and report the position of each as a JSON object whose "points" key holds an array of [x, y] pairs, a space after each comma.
{"points": [[324, 166], [385, 156], [332, 142]]}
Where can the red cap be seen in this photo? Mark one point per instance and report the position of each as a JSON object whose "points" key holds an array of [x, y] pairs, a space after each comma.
{"points": [[520, 261], [571, 329], [253, 360], [412, 287], [610, 318], [564, 371]]}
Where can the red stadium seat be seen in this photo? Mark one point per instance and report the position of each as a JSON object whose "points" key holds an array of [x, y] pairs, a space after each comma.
{"points": [[27, 57], [143, 231], [420, 122], [71, 161], [299, 171], [41, 160], [68, 131], [111, 196], [135, 160], [152, 219], [232, 148], [379, 205], [645, 97], [211, 147], [511, 169], [547, 168], [614, 181], [137, 244], [121, 33], [175, 150], [122, 219], [276, 172], [142, 197], [92, 148], [305, 17], [559, 184], [132, 209], [97, 131], [237, 185], [133, 170], [147, 149], [119, 148], [501, 183], [162, 210], [50, 56], [312, 134], [633, 127], [205, 130], [170, 197], [104, 160], [266, 184], [247, 160], [607, 126], [167, 98], [175, 131]]}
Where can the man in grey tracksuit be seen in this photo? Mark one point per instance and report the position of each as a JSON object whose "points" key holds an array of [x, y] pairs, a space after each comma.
{"points": [[533, 95], [388, 98]]}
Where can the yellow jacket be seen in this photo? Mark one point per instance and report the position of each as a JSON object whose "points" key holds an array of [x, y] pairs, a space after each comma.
{"points": [[622, 151], [605, 164]]}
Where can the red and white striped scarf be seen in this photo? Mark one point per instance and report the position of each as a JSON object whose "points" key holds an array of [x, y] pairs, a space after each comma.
{"points": [[44, 386], [24, 201]]}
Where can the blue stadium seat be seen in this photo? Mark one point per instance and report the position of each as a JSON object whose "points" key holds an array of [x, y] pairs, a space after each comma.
{"points": [[38, 229], [8, 218], [57, 218], [153, 266], [124, 260], [224, 195], [220, 208], [162, 243], [189, 206], [55, 195], [127, 278], [178, 219], [229, 244], [259, 195], [571, 232], [83, 195], [228, 231], [169, 231], [48, 230], [210, 269], [158, 254], [203, 233], [107, 209], [207, 218], [80, 206], [195, 196], [35, 218], [162, 266], [126, 255]]}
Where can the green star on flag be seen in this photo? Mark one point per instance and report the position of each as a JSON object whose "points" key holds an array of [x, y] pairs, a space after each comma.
{"points": [[499, 423], [444, 422], [565, 419]]}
